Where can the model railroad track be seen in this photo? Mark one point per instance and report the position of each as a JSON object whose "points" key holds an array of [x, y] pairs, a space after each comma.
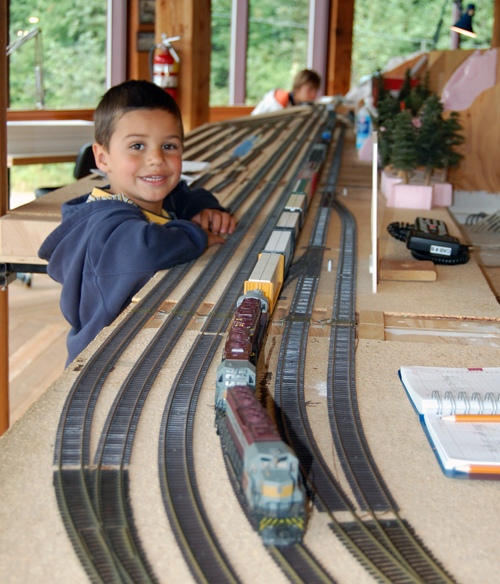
{"points": [[94, 504], [365, 480], [388, 549], [222, 130], [242, 162], [231, 137], [176, 461]]}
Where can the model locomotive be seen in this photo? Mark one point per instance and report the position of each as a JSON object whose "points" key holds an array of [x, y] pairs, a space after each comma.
{"points": [[266, 468]]}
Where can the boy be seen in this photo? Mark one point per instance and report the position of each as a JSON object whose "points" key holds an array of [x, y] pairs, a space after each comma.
{"points": [[112, 241], [305, 89]]}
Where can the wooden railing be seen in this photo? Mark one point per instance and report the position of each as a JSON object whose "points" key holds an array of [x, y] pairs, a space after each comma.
{"points": [[216, 114]]}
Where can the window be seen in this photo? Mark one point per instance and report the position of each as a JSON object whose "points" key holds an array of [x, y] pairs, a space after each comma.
{"points": [[74, 52], [276, 47]]}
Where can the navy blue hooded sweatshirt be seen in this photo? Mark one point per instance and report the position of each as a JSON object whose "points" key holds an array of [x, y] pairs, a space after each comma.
{"points": [[105, 251]]}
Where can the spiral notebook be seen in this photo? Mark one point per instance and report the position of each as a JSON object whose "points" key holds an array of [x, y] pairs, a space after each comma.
{"points": [[440, 391]]}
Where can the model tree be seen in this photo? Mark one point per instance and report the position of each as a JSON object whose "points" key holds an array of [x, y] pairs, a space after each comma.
{"points": [[451, 138], [405, 90], [430, 140], [388, 108], [404, 148], [418, 95]]}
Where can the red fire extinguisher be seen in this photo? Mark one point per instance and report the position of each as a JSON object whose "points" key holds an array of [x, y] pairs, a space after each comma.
{"points": [[164, 67]]}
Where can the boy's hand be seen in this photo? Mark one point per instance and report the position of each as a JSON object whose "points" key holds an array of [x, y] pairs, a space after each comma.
{"points": [[215, 221], [213, 239]]}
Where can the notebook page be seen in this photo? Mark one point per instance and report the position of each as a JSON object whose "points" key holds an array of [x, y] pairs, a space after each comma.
{"points": [[464, 443], [425, 383]]}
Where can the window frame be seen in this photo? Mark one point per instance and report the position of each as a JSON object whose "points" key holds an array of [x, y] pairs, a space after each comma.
{"points": [[116, 57], [317, 46]]}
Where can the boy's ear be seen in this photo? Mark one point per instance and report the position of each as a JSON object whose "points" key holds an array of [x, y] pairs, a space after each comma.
{"points": [[101, 156]]}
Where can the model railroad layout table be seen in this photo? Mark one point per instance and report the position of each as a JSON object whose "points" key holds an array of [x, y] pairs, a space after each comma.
{"points": [[402, 522]]}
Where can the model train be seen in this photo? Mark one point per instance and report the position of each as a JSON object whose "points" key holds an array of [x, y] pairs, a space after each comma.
{"points": [[266, 468]]}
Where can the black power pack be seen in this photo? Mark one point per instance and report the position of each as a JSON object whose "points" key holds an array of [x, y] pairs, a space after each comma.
{"points": [[428, 239]]}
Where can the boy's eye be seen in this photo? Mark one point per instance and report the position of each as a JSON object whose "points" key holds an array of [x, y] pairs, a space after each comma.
{"points": [[170, 146], [137, 146]]}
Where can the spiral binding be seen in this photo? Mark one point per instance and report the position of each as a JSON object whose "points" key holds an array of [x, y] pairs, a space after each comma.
{"points": [[461, 402]]}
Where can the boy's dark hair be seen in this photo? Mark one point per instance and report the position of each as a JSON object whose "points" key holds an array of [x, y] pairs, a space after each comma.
{"points": [[129, 96], [306, 76]]}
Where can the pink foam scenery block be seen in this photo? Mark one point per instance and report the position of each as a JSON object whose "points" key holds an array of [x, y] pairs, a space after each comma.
{"points": [[476, 74], [442, 195], [366, 151], [410, 197], [387, 182], [415, 196]]}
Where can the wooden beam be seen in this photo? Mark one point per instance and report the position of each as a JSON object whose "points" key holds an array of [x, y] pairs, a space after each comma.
{"points": [[222, 113], [495, 39], [49, 115], [338, 70], [189, 19], [4, 201], [137, 61]]}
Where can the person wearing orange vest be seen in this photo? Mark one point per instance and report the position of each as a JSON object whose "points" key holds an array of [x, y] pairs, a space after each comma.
{"points": [[305, 89]]}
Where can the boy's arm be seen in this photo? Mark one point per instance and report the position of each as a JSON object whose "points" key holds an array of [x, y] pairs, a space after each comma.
{"points": [[185, 203], [140, 246]]}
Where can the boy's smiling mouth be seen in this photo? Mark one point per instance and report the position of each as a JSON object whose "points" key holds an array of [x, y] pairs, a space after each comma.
{"points": [[153, 178]]}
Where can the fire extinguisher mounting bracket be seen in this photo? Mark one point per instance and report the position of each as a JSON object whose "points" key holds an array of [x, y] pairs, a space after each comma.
{"points": [[166, 42]]}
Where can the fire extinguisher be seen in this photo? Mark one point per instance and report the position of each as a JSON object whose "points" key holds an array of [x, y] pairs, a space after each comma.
{"points": [[164, 66]]}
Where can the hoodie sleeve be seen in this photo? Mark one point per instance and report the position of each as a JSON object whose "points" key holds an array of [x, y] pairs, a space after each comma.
{"points": [[139, 246], [185, 203], [123, 260], [103, 253]]}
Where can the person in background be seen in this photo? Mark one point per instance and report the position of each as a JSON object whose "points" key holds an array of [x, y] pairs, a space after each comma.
{"points": [[305, 89]]}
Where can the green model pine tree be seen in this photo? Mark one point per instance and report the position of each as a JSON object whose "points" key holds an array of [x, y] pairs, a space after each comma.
{"points": [[405, 90], [430, 140], [378, 80], [451, 138], [388, 108], [418, 95], [404, 148], [385, 142]]}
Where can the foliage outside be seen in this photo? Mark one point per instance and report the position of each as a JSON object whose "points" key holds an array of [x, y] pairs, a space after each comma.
{"points": [[380, 30], [74, 48], [277, 47]]}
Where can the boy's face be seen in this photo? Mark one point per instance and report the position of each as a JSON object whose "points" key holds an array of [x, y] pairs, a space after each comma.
{"points": [[144, 160], [306, 92]]}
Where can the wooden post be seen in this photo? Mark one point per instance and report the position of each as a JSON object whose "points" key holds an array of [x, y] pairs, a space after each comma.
{"points": [[4, 196], [495, 39], [189, 19], [338, 70]]}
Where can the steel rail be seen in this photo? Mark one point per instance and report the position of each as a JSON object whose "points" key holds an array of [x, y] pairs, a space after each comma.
{"points": [[202, 133], [231, 160], [243, 163], [299, 565], [234, 124], [235, 136]]}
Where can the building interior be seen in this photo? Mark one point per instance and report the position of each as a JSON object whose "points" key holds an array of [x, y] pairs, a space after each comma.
{"points": [[311, 397]]}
